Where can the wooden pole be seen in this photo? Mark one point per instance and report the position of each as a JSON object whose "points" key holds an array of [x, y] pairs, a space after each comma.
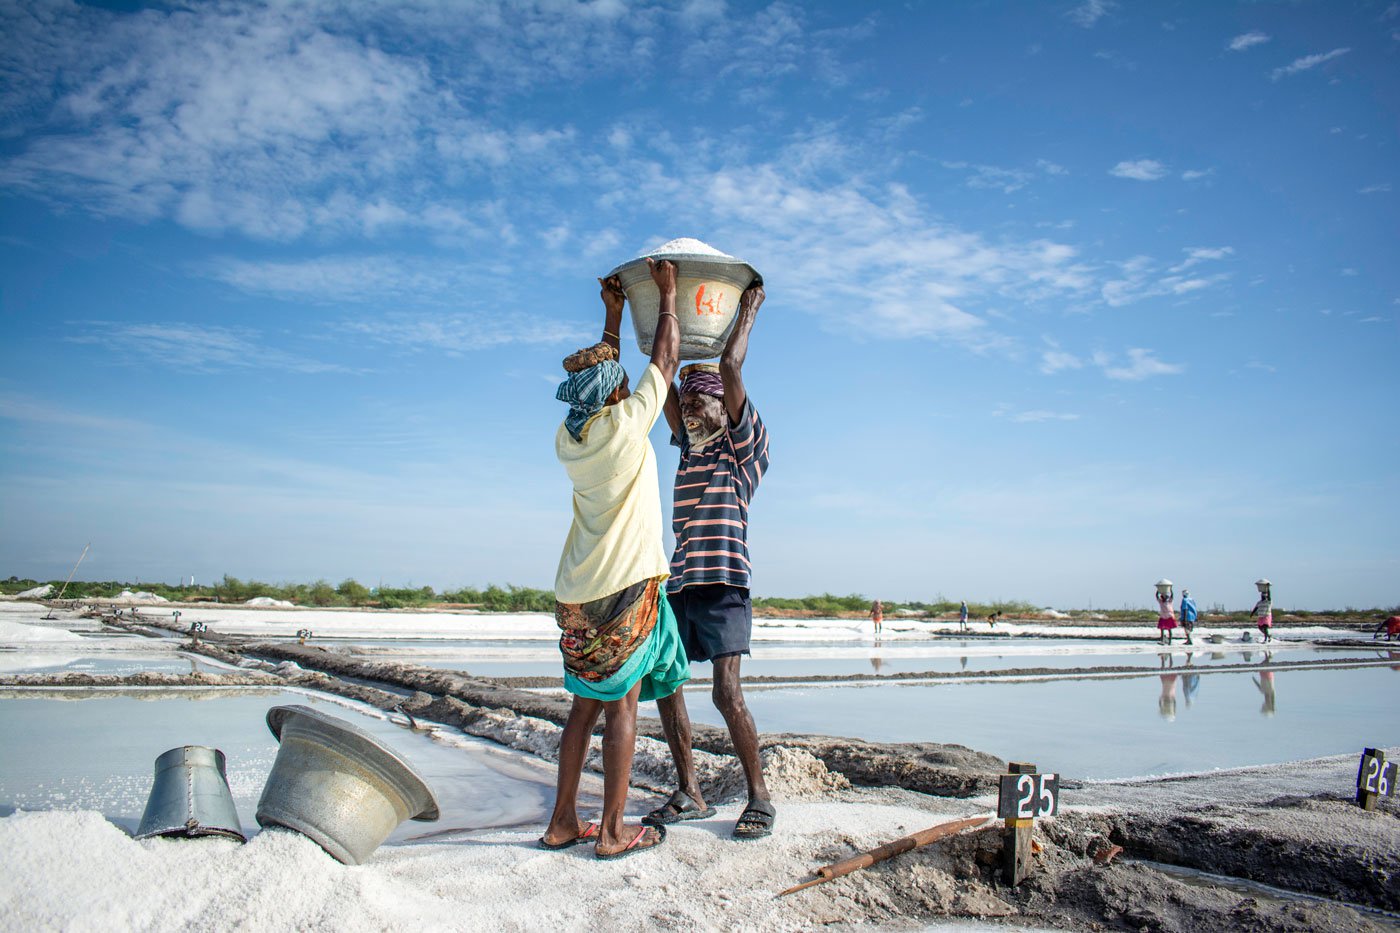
{"points": [[887, 851], [64, 588], [1016, 838]]}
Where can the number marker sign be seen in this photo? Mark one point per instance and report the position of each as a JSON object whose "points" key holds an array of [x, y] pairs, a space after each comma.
{"points": [[1026, 796], [1375, 778]]}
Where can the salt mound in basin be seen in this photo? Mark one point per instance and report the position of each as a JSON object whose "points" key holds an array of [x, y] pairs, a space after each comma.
{"points": [[38, 592], [268, 602]]}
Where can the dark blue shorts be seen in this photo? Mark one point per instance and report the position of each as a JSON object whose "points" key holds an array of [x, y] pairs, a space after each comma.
{"points": [[715, 620]]}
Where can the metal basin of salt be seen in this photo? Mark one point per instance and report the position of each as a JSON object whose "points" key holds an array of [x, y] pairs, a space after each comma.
{"points": [[338, 785], [708, 286]]}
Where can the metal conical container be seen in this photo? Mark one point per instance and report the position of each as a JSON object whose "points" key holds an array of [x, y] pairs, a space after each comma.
{"points": [[190, 796], [338, 785]]}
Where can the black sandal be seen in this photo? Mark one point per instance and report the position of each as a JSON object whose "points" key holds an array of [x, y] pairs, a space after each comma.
{"points": [[756, 821], [679, 807]]}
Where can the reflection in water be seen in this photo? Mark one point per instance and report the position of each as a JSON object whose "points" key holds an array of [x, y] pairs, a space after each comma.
{"points": [[876, 662], [1265, 683], [1166, 659], [1099, 727], [1190, 683], [962, 662], [1166, 703]]}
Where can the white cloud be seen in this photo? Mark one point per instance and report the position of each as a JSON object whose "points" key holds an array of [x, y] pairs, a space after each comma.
{"points": [[1116, 59], [1005, 180], [1199, 254], [1141, 364], [1193, 174], [834, 242], [279, 121], [1374, 189], [340, 279], [1140, 170], [1247, 40], [1090, 12], [1306, 63], [197, 348], [464, 332], [1038, 416], [1054, 360], [16, 407], [1141, 277]]}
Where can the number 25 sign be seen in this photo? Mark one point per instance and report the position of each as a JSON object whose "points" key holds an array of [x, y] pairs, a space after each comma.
{"points": [[1025, 796]]}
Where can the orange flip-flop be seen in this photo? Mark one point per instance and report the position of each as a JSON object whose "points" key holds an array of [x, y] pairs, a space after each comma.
{"points": [[635, 845]]}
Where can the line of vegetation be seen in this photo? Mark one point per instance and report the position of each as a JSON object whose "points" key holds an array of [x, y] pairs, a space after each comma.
{"points": [[510, 598], [348, 593]]}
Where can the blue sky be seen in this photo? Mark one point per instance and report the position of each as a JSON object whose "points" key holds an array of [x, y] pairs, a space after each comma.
{"points": [[1062, 297]]}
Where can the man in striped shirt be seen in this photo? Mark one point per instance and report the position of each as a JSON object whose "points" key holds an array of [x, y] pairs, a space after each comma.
{"points": [[724, 452]]}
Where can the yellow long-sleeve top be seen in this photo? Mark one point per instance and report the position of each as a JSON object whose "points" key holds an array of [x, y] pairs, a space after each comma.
{"points": [[615, 538]]}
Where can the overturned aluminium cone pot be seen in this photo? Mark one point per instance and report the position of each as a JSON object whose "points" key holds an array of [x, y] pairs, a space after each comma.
{"points": [[338, 785], [190, 796]]}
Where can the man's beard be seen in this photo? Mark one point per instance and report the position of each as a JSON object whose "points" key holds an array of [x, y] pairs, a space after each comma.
{"points": [[702, 432], [699, 435]]}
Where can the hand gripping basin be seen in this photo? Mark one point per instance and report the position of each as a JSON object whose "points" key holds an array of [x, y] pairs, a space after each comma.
{"points": [[338, 785]]}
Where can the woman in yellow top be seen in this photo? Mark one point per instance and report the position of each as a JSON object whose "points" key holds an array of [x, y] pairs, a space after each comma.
{"points": [[618, 637]]}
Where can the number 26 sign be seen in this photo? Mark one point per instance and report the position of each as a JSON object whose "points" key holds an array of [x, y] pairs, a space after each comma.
{"points": [[1025, 796], [1376, 776]]}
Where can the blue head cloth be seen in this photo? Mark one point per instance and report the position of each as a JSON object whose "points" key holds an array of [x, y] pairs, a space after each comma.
{"points": [[586, 391]]}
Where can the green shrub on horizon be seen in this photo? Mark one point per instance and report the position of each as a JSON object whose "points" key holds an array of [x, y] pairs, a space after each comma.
{"points": [[512, 598]]}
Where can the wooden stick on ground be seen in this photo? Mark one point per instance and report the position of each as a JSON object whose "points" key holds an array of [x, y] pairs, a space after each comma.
{"points": [[887, 851]]}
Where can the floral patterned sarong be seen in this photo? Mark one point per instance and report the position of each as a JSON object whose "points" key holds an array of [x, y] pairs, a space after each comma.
{"points": [[599, 636]]}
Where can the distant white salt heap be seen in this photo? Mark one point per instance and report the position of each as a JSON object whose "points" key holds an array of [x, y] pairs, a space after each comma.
{"points": [[38, 592], [269, 602], [140, 596]]}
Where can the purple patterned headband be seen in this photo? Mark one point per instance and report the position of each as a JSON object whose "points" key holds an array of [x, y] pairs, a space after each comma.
{"points": [[705, 383]]}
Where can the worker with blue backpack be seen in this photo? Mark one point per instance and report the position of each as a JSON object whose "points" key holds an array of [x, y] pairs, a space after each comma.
{"points": [[1189, 614]]}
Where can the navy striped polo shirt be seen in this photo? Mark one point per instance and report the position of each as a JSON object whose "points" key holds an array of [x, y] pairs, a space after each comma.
{"points": [[710, 515]]}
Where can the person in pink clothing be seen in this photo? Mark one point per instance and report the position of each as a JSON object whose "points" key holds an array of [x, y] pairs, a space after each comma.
{"points": [[1166, 617], [1263, 610]]}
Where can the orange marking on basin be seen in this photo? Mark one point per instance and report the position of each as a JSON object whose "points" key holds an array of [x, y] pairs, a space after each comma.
{"points": [[711, 305]]}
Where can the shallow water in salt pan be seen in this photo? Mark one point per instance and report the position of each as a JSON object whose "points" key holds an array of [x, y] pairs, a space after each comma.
{"points": [[99, 754], [798, 659], [1183, 719]]}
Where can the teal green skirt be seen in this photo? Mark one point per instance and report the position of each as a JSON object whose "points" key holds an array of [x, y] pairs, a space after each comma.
{"points": [[660, 664]]}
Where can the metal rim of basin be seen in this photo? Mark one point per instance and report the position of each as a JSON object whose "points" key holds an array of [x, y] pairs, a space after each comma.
{"points": [[688, 262], [278, 716]]}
